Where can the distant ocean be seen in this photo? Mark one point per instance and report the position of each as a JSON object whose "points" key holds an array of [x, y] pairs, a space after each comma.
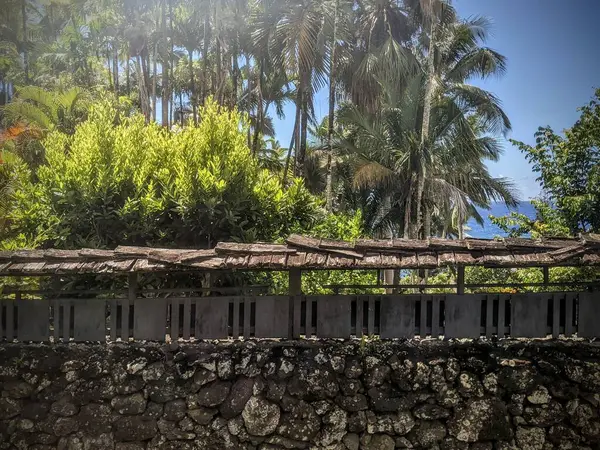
{"points": [[489, 230]]}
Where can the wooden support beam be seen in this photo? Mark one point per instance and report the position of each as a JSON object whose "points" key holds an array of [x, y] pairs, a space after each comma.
{"points": [[295, 283], [546, 271], [460, 280], [132, 288], [295, 291]]}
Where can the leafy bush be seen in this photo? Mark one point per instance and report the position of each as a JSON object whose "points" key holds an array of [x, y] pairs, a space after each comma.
{"points": [[121, 181]]}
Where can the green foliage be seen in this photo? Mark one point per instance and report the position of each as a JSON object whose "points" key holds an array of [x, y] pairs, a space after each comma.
{"points": [[332, 226], [569, 172], [13, 175], [120, 181], [548, 222], [47, 109], [483, 275]]}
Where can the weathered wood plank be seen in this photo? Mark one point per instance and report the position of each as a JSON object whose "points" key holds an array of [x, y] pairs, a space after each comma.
{"points": [[175, 328], [423, 319], [529, 315], [371, 316], [489, 317], [149, 319], [569, 301], [131, 251], [66, 324], [272, 317], [427, 260], [446, 244], [410, 244], [236, 318], [309, 305], [333, 316], [113, 320], [446, 258], [89, 320], [187, 318], [435, 316], [33, 320], [501, 315], [296, 240], [397, 317], [566, 253], [360, 301], [212, 314], [196, 255], [370, 260], [484, 244], [247, 310], [297, 315], [315, 260], [10, 320], [463, 316], [125, 319], [589, 315], [556, 315]]}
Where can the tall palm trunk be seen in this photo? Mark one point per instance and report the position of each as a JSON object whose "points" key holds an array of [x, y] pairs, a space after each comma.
{"points": [[115, 60], [388, 233], [110, 71], [426, 121], [218, 57], [249, 99], [258, 123], [143, 91], [205, 57], [235, 72], [165, 69], [154, 76], [25, 53], [329, 176], [172, 61], [192, 87], [303, 105]]}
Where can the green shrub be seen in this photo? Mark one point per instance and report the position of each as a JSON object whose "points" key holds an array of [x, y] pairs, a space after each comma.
{"points": [[121, 181]]}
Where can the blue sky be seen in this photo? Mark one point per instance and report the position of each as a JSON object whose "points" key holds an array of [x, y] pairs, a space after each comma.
{"points": [[553, 67]]}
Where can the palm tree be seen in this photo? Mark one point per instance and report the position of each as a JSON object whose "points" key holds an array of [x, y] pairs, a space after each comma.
{"points": [[47, 110], [301, 31], [389, 158]]}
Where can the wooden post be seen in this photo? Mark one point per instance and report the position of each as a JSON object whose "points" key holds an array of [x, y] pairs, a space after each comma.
{"points": [[546, 270], [295, 281], [295, 291], [132, 287], [460, 280]]}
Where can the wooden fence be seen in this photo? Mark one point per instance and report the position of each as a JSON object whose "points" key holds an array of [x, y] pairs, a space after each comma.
{"points": [[533, 315]]}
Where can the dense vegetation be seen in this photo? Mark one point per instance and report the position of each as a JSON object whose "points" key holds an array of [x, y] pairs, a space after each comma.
{"points": [[569, 173], [150, 122]]}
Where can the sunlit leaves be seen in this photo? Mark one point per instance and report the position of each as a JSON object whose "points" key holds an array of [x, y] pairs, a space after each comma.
{"points": [[125, 181]]}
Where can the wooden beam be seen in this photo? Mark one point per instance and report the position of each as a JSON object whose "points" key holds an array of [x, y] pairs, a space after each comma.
{"points": [[295, 283], [546, 271], [460, 280], [295, 291]]}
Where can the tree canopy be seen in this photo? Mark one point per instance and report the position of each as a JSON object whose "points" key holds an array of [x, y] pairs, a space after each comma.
{"points": [[568, 168]]}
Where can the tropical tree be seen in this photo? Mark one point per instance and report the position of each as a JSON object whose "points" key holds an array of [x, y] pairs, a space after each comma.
{"points": [[389, 158], [47, 110]]}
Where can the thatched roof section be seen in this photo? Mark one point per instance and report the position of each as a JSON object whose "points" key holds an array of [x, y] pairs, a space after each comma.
{"points": [[309, 253]]}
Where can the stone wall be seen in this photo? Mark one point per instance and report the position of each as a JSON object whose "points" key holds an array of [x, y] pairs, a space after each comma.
{"points": [[318, 395]]}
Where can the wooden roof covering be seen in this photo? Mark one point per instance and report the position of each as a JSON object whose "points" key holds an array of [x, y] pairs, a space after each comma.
{"points": [[301, 252]]}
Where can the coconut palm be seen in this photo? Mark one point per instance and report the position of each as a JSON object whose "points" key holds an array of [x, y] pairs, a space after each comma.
{"points": [[389, 159], [301, 30]]}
